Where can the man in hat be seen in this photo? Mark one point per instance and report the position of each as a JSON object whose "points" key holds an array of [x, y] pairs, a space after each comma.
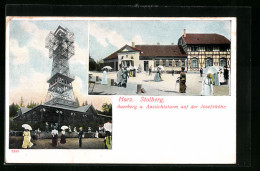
{"points": [[80, 136]]}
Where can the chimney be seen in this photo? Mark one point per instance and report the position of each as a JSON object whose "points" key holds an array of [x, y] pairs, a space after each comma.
{"points": [[158, 43], [184, 34], [133, 44]]}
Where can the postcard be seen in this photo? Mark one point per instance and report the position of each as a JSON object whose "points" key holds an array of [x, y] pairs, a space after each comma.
{"points": [[121, 90]]}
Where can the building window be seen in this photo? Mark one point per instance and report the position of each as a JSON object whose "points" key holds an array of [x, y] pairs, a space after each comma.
{"points": [[209, 48], [157, 63], [132, 57], [176, 63], [182, 63], [202, 48], [209, 62], [170, 63], [194, 48], [223, 62], [215, 48], [122, 57], [164, 63], [194, 63], [126, 56], [223, 48]]}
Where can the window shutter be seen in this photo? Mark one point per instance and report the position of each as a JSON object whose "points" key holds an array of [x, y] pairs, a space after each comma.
{"points": [[173, 63], [179, 63], [160, 63]]}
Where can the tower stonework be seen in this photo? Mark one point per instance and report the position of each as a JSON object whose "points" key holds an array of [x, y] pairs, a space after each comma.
{"points": [[61, 49]]}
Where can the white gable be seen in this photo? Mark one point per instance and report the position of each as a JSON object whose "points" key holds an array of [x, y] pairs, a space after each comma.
{"points": [[127, 49]]}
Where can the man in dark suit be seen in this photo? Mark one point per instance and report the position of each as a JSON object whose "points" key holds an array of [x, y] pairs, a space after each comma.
{"points": [[80, 136], [201, 72], [226, 74]]}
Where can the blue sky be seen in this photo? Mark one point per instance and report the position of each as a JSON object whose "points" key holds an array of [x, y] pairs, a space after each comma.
{"points": [[108, 36], [30, 65]]}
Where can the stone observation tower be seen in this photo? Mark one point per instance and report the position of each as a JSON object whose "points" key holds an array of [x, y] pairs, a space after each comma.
{"points": [[61, 49]]}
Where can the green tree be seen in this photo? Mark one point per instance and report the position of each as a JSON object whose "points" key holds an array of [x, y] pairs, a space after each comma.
{"points": [[107, 109], [92, 64], [32, 104], [21, 102], [77, 101], [13, 110], [99, 65]]}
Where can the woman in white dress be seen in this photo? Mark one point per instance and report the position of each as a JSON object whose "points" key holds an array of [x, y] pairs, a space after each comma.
{"points": [[104, 78], [207, 86]]}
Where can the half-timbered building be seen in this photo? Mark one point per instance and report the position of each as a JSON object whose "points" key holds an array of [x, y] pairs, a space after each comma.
{"points": [[205, 50]]}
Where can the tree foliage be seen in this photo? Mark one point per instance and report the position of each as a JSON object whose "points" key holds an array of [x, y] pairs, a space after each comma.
{"points": [[99, 65], [13, 110], [77, 102], [107, 109], [21, 102], [92, 64], [32, 104]]}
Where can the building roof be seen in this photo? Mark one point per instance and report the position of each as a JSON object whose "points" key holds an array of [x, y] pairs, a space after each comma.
{"points": [[24, 109], [114, 55], [153, 50], [161, 50], [205, 39], [81, 109], [78, 109]]}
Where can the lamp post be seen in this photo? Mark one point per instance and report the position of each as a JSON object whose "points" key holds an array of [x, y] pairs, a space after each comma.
{"points": [[59, 112]]}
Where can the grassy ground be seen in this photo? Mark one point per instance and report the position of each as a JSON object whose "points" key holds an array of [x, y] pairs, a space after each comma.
{"points": [[72, 143]]}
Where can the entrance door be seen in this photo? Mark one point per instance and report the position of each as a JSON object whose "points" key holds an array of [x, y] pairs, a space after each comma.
{"points": [[146, 65], [116, 66]]}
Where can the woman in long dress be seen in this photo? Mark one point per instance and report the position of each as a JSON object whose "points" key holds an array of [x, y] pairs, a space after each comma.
{"points": [[108, 140], [157, 76], [54, 134], [27, 139], [182, 81], [207, 86], [104, 78], [63, 138]]}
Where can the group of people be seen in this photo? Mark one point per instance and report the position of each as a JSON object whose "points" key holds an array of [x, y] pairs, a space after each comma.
{"points": [[54, 134], [207, 83], [122, 76]]}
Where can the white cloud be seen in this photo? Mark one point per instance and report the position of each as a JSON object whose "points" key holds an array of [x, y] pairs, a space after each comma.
{"points": [[77, 88], [104, 35], [38, 36], [21, 55], [138, 40], [81, 55], [32, 87]]}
